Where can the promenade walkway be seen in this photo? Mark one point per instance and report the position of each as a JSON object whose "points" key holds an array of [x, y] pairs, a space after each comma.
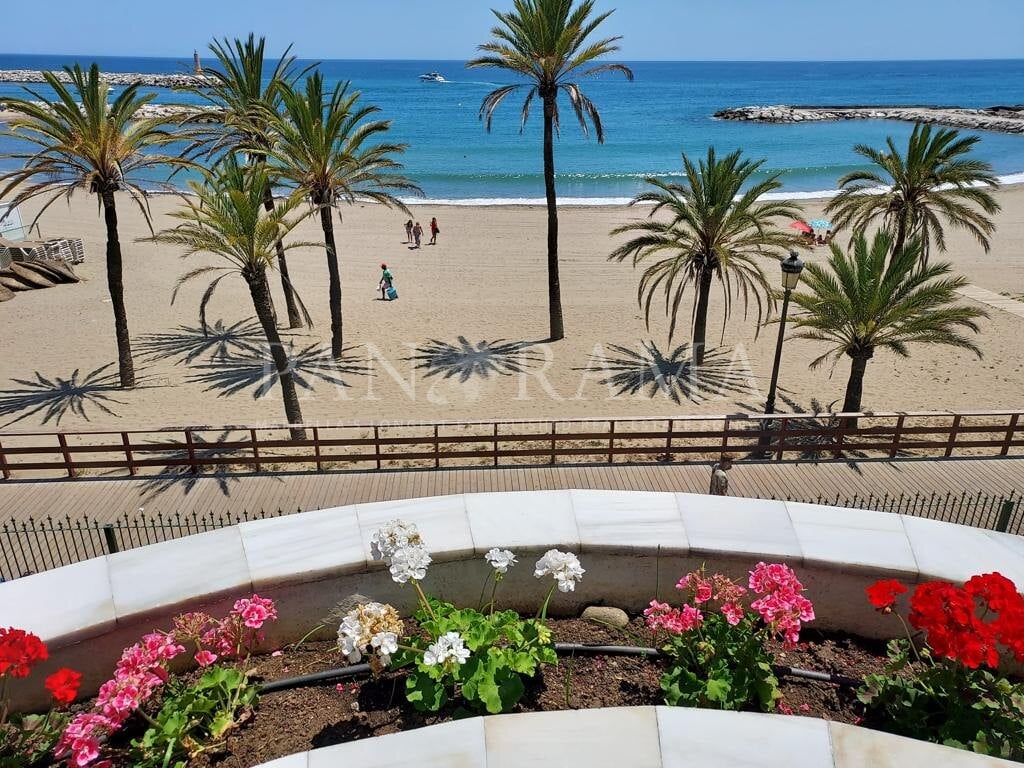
{"points": [[993, 299], [108, 500]]}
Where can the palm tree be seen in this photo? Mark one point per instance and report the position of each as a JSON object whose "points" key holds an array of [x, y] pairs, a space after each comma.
{"points": [[241, 100], [84, 141], [546, 42], [227, 218], [860, 303], [714, 230], [935, 181], [325, 150]]}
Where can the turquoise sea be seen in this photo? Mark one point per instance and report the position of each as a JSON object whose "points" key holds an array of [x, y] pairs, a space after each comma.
{"points": [[649, 122]]}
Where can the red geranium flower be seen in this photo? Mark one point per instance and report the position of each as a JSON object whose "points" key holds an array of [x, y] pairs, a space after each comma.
{"points": [[19, 652], [883, 594], [998, 592], [63, 685]]}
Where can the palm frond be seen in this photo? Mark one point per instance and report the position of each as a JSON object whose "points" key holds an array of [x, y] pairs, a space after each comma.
{"points": [[913, 193], [707, 229]]}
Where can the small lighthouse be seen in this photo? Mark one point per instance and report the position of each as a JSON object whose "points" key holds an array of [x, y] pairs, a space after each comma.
{"points": [[197, 66]]}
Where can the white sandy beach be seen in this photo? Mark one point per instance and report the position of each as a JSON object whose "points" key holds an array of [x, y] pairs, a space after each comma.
{"points": [[483, 283]]}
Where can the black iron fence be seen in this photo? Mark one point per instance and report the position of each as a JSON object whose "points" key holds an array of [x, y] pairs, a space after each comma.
{"points": [[35, 545]]}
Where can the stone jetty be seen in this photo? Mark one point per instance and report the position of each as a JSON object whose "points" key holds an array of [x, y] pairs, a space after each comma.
{"points": [[146, 112], [183, 80], [1008, 119]]}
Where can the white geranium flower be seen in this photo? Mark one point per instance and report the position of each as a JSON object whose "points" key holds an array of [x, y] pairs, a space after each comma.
{"points": [[564, 567], [349, 639], [457, 648], [371, 628], [500, 560], [385, 644], [409, 562], [393, 536], [448, 646]]}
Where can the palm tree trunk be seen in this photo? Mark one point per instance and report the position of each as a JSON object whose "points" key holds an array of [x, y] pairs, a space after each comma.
{"points": [[115, 285], [700, 318], [554, 285], [855, 385], [259, 289], [294, 318], [900, 238], [327, 222]]}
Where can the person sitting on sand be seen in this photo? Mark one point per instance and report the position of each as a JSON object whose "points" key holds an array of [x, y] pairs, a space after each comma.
{"points": [[434, 230], [386, 281], [408, 231], [417, 233]]}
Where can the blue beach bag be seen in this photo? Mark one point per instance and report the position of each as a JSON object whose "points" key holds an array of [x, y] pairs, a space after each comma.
{"points": [[392, 294]]}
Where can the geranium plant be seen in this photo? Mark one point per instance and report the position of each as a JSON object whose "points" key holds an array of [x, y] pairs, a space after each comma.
{"points": [[478, 657], [26, 740], [718, 646], [942, 682], [190, 718]]}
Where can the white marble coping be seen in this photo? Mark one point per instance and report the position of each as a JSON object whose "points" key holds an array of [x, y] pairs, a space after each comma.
{"points": [[86, 599], [638, 737]]}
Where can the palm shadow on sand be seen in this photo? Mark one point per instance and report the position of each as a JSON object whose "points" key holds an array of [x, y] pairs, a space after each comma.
{"points": [[814, 417], [650, 371], [219, 469], [82, 395], [188, 343], [465, 359], [235, 373]]}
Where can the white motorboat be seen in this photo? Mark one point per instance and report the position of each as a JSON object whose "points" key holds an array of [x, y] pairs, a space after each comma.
{"points": [[433, 77]]}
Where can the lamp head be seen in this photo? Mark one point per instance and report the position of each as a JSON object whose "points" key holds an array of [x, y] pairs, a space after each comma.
{"points": [[791, 269]]}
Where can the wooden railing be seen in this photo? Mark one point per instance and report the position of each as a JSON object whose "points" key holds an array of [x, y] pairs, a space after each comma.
{"points": [[194, 450]]}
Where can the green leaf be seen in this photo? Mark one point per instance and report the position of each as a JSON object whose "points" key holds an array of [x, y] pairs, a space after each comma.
{"points": [[221, 724], [425, 694], [1017, 700], [717, 689]]}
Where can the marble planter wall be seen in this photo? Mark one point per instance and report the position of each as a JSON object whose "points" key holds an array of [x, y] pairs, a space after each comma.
{"points": [[631, 544], [641, 737]]}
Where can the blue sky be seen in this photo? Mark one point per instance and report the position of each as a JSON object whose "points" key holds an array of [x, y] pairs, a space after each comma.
{"points": [[449, 29]]}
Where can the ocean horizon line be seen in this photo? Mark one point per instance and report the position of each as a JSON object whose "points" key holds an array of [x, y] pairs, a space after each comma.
{"points": [[467, 58]]}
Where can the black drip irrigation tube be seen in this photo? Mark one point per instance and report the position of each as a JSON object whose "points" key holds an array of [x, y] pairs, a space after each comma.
{"points": [[564, 649]]}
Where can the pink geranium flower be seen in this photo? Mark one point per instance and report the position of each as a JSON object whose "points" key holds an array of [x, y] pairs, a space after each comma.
{"points": [[255, 611], [733, 613], [205, 658]]}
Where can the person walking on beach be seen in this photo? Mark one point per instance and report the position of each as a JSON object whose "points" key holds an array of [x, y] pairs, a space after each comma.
{"points": [[408, 231], [386, 282], [434, 230], [417, 233], [719, 478]]}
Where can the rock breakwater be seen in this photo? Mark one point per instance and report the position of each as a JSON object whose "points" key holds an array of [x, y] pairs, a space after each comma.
{"points": [[182, 80], [1004, 119]]}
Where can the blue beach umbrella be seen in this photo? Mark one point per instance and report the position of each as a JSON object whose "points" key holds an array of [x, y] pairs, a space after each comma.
{"points": [[821, 224]]}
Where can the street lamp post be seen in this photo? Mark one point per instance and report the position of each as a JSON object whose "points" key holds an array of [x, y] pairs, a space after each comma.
{"points": [[791, 269]]}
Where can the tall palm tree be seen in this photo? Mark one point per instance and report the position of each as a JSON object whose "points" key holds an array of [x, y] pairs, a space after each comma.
{"points": [[227, 219], [935, 181], [325, 149], [239, 100], [547, 42], [83, 140], [863, 301], [714, 229]]}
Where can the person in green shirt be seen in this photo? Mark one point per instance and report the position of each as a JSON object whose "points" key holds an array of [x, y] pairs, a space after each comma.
{"points": [[386, 280]]}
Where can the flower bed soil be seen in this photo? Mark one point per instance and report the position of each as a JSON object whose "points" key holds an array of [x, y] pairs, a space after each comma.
{"points": [[297, 720]]}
